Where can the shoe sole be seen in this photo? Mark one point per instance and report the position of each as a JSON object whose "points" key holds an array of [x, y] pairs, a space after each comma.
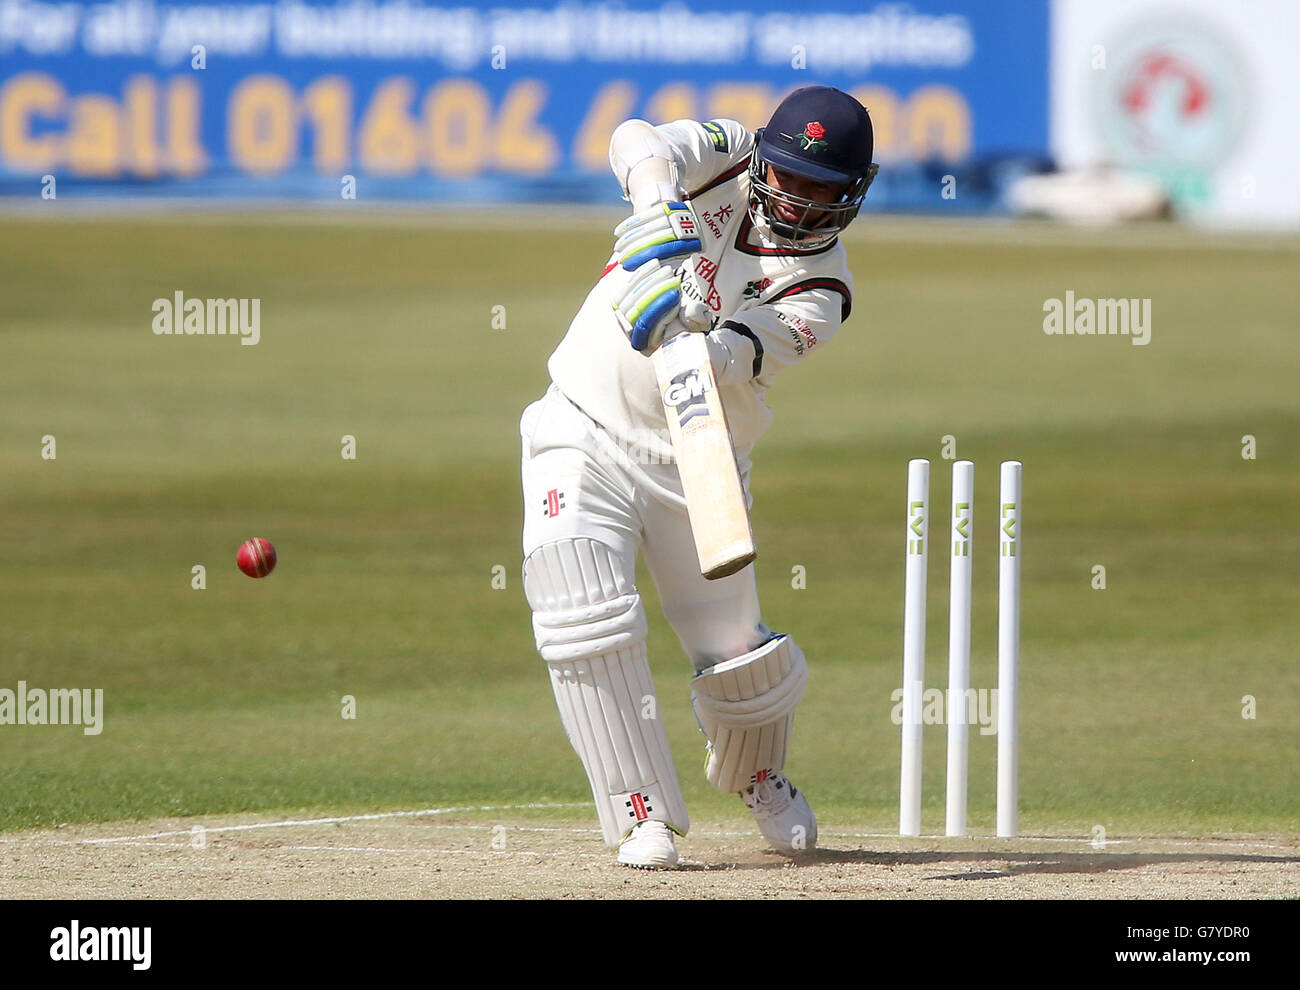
{"points": [[666, 865]]}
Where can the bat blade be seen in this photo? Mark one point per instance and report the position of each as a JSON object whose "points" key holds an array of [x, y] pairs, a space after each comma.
{"points": [[706, 459]]}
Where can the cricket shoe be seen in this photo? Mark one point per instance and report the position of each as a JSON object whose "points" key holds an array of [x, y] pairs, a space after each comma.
{"points": [[782, 812], [649, 846]]}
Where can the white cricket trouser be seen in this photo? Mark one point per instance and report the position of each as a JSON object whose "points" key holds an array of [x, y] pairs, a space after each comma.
{"points": [[577, 483]]}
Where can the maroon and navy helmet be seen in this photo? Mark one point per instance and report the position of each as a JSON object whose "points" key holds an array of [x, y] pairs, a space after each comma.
{"points": [[821, 134]]}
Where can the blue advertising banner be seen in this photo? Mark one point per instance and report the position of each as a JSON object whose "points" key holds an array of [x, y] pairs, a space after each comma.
{"points": [[511, 102]]}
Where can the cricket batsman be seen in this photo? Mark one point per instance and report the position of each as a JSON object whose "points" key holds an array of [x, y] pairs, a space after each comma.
{"points": [[733, 234]]}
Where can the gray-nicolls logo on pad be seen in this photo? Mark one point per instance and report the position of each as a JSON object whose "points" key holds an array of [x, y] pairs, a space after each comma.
{"points": [[554, 503]]}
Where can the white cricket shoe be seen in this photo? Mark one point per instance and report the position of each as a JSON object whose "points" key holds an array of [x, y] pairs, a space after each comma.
{"points": [[782, 812], [649, 846]]}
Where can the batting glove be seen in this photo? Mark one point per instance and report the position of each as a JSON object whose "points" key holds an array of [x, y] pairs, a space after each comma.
{"points": [[652, 309], [666, 230]]}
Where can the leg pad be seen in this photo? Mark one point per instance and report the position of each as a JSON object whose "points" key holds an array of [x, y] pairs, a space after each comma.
{"points": [[745, 706]]}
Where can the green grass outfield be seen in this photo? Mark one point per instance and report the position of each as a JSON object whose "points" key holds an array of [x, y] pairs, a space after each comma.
{"points": [[171, 451]]}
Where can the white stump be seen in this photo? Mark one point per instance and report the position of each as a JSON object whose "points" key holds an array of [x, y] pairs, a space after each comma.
{"points": [[918, 496], [1008, 647], [962, 521]]}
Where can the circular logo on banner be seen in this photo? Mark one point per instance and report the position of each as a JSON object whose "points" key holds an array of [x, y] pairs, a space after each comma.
{"points": [[1173, 93]]}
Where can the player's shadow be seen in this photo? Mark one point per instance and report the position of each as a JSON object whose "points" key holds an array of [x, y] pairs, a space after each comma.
{"points": [[1012, 862]]}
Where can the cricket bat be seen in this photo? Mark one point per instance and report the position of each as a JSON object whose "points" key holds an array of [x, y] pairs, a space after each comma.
{"points": [[706, 459]]}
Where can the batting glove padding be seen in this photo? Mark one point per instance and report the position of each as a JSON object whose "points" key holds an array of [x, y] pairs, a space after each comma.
{"points": [[649, 304], [666, 230]]}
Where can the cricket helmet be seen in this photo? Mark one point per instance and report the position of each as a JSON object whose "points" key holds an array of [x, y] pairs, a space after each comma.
{"points": [[821, 134]]}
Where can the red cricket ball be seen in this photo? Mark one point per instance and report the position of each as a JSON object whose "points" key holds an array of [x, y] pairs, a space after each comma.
{"points": [[256, 557]]}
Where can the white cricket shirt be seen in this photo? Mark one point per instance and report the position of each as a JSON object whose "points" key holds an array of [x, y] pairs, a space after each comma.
{"points": [[771, 306]]}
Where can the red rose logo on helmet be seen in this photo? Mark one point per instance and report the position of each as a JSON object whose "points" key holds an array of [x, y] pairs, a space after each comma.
{"points": [[811, 138]]}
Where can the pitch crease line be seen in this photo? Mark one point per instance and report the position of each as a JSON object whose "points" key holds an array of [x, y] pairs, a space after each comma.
{"points": [[298, 823]]}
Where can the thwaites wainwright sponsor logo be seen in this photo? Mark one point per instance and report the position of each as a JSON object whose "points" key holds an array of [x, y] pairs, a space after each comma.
{"points": [[706, 271], [800, 332], [78, 943], [55, 706], [553, 504], [193, 317]]}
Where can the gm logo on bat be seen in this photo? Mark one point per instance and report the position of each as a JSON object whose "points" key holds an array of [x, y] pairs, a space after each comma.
{"points": [[685, 394]]}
